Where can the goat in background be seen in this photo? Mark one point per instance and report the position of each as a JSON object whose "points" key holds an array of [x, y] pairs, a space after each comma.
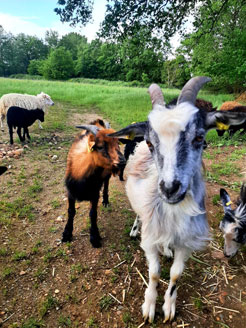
{"points": [[165, 185], [92, 159], [233, 224]]}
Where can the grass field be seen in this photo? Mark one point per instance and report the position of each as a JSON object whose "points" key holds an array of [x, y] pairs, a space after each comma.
{"points": [[47, 284], [121, 105]]}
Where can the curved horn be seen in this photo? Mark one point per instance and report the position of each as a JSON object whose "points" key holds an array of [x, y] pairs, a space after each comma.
{"points": [[156, 95], [91, 128], [191, 89], [107, 125]]}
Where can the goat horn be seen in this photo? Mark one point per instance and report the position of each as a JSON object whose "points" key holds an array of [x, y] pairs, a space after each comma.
{"points": [[156, 95], [191, 89], [107, 125], [91, 128]]}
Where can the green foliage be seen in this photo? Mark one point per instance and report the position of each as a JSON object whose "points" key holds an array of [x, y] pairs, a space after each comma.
{"points": [[175, 72], [59, 65], [32, 323], [49, 303], [35, 67]]}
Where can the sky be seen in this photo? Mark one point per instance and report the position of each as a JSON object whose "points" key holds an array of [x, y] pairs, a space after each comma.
{"points": [[34, 17]]}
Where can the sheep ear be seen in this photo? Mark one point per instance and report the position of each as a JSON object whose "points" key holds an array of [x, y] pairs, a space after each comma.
{"points": [[131, 131], [226, 201], [91, 128], [3, 169], [221, 120]]}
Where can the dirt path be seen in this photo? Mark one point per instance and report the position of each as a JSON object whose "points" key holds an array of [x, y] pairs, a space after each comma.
{"points": [[46, 284]]}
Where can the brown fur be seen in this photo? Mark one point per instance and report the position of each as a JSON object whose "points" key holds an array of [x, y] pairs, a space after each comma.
{"points": [[229, 105], [81, 162], [205, 105]]}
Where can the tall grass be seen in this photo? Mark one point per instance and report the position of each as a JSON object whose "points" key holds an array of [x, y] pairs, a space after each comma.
{"points": [[120, 104]]}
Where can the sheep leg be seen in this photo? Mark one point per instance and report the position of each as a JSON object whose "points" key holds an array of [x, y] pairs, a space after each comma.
{"points": [[148, 307], [68, 231], [11, 134], [135, 228], [105, 201], [19, 134], [26, 132], [40, 125], [1, 122], [95, 237], [169, 306]]}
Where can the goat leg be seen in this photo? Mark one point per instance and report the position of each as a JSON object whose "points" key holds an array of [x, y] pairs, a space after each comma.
{"points": [[105, 201], [169, 306], [68, 231], [148, 307], [95, 237]]}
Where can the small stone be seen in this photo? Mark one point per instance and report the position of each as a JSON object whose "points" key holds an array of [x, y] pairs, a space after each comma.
{"points": [[22, 273], [59, 218], [54, 157], [57, 291]]}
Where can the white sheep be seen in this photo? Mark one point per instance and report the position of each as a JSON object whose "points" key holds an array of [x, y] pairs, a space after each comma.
{"points": [[26, 101]]}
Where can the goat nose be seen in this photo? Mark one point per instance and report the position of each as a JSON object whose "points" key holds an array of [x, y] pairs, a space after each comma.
{"points": [[170, 190]]}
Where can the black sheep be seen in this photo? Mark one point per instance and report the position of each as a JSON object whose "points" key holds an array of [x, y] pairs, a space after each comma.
{"points": [[22, 118]]}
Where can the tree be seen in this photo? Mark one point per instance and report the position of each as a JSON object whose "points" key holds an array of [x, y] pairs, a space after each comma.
{"points": [[35, 67], [75, 11], [71, 42], [176, 72], [52, 39], [165, 17], [59, 65], [222, 54]]}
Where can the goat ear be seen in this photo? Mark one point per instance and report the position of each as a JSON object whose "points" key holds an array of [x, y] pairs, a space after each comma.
{"points": [[225, 198], [91, 128], [223, 119], [132, 131], [3, 169], [243, 193]]}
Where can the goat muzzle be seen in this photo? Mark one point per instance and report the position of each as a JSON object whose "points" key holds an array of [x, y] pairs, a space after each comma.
{"points": [[172, 192]]}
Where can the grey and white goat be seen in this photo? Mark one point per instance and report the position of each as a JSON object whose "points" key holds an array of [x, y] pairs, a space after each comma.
{"points": [[165, 185], [233, 224]]}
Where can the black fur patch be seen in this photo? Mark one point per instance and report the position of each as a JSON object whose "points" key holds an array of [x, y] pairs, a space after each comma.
{"points": [[172, 290]]}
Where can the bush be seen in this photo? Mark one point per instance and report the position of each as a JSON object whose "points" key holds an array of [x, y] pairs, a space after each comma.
{"points": [[59, 65]]}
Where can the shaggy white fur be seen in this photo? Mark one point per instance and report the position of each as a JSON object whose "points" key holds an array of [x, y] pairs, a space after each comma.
{"points": [[41, 101]]}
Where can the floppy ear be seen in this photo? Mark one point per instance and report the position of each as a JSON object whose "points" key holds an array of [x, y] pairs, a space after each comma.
{"points": [[226, 201], [223, 119], [132, 131], [3, 169]]}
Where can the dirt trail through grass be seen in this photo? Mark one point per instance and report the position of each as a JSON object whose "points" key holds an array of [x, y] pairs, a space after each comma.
{"points": [[47, 284]]}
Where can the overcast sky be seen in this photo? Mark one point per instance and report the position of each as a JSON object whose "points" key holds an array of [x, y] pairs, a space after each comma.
{"points": [[34, 17]]}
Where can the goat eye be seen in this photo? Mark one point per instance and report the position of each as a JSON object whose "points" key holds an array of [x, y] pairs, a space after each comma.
{"points": [[99, 147], [149, 144], [198, 139]]}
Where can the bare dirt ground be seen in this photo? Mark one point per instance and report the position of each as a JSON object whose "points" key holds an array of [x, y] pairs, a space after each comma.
{"points": [[47, 284]]}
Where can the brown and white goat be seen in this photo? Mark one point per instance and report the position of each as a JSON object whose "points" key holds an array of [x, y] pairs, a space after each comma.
{"points": [[92, 159], [165, 184], [233, 106]]}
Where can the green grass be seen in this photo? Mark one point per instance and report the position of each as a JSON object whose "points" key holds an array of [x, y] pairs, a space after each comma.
{"points": [[120, 104]]}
